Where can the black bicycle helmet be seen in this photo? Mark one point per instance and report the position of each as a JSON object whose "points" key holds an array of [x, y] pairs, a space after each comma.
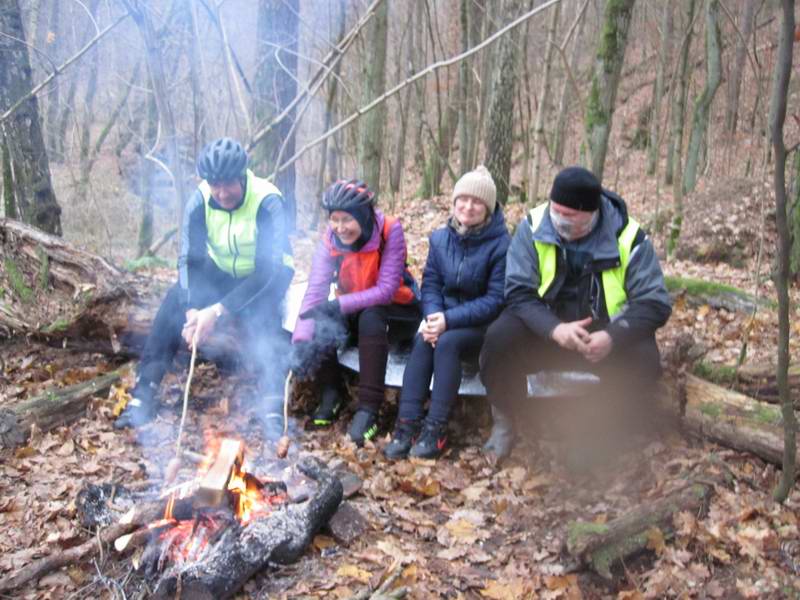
{"points": [[222, 160], [348, 195]]}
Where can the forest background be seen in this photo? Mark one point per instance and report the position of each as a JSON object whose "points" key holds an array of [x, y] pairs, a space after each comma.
{"points": [[688, 109]]}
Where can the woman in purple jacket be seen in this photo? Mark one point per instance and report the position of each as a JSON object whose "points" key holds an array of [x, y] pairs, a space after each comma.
{"points": [[462, 292], [363, 253]]}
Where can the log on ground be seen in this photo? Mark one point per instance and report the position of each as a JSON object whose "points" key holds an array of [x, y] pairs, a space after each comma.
{"points": [[600, 547], [50, 410]]}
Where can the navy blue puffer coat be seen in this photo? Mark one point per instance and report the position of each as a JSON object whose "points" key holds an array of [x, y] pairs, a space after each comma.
{"points": [[464, 275]]}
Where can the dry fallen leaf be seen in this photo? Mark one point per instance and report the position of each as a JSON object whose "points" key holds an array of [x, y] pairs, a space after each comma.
{"points": [[353, 572]]}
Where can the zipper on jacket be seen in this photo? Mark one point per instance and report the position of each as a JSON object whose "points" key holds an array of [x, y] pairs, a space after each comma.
{"points": [[235, 255], [230, 246]]}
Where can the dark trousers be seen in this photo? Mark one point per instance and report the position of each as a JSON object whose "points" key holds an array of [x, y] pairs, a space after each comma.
{"points": [[263, 343], [511, 351], [443, 363], [373, 328]]}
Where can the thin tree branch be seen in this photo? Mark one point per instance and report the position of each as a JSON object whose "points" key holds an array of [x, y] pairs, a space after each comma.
{"points": [[58, 70], [419, 75]]}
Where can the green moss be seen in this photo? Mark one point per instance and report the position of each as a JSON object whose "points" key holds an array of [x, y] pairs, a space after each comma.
{"points": [[595, 115], [719, 374], [145, 262], [56, 326], [580, 529], [43, 276], [17, 281], [701, 287], [603, 559], [710, 410], [768, 415]]}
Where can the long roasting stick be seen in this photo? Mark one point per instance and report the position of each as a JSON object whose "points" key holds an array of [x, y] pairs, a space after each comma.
{"points": [[175, 464], [282, 448]]}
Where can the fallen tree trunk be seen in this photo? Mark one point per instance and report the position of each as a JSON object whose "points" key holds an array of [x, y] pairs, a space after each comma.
{"points": [[50, 410], [760, 382], [601, 546]]}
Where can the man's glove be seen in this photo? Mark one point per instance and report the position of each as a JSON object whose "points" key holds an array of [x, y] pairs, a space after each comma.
{"points": [[329, 309], [304, 359]]}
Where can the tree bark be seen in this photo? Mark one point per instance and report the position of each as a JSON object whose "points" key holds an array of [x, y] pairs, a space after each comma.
{"points": [[600, 547], [777, 114], [736, 73], [52, 409], [33, 190], [664, 55], [563, 102], [275, 87], [501, 126], [370, 143], [605, 80], [702, 106], [544, 99]]}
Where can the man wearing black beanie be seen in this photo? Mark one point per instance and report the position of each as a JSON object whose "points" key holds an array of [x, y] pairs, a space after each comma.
{"points": [[584, 292]]}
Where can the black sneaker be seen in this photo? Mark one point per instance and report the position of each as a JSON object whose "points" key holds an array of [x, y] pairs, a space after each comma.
{"points": [[363, 427], [141, 408], [329, 406], [405, 432], [431, 441]]}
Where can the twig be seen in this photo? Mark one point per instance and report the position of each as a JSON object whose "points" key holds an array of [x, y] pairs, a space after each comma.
{"points": [[419, 75], [58, 70], [175, 464], [282, 447]]}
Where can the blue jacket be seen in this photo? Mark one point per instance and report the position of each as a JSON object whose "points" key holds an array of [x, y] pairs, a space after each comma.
{"points": [[464, 275]]}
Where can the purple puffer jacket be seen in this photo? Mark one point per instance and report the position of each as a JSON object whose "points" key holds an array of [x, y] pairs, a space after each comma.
{"points": [[393, 261]]}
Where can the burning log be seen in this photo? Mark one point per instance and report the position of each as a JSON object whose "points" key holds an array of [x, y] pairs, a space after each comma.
{"points": [[600, 546], [241, 550], [50, 410]]}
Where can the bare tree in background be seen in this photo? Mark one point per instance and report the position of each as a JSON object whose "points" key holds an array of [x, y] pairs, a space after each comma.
{"points": [[702, 106], [737, 69], [777, 118], [567, 90], [33, 195], [500, 133], [370, 142], [673, 170], [664, 54], [605, 80], [275, 88]]}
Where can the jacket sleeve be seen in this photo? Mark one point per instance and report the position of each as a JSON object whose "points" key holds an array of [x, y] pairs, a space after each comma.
{"points": [[319, 286], [483, 309], [273, 262], [432, 283], [648, 305], [393, 260], [522, 284], [194, 251]]}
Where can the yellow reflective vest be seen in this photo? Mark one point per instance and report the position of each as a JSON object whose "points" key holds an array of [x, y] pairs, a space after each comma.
{"points": [[232, 234], [613, 279]]}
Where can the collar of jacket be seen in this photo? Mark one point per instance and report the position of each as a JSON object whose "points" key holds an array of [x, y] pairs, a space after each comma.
{"points": [[601, 243]]}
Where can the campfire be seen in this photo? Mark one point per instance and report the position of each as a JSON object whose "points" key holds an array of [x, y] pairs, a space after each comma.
{"points": [[205, 537]]}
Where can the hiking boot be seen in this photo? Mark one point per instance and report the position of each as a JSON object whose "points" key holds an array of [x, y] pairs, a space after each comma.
{"points": [[329, 406], [363, 427], [141, 408], [405, 433], [502, 438], [431, 441]]}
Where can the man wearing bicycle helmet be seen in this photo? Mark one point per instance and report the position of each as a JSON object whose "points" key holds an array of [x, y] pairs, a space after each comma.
{"points": [[235, 261], [363, 253]]}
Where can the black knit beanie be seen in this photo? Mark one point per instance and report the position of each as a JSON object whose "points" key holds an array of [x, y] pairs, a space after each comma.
{"points": [[578, 188]]}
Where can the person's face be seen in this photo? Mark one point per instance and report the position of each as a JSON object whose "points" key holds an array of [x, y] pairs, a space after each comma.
{"points": [[469, 210], [228, 194], [345, 227], [571, 223]]}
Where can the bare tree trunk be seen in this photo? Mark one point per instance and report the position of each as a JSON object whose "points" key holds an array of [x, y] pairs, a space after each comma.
{"points": [[702, 106], [169, 132], [794, 221], [605, 80], [544, 97], [275, 88], [501, 124], [465, 127], [9, 205], [737, 69], [370, 143], [197, 76], [491, 11], [673, 170], [147, 174], [34, 197], [53, 94], [563, 102], [783, 73], [664, 54], [405, 100]]}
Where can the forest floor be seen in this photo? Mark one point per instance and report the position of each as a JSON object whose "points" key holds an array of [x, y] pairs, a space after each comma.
{"points": [[462, 526]]}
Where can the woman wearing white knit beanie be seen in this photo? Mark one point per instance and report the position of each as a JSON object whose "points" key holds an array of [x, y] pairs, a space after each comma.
{"points": [[462, 292]]}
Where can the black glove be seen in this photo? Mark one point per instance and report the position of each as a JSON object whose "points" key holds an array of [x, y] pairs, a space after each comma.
{"points": [[325, 310], [304, 359]]}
